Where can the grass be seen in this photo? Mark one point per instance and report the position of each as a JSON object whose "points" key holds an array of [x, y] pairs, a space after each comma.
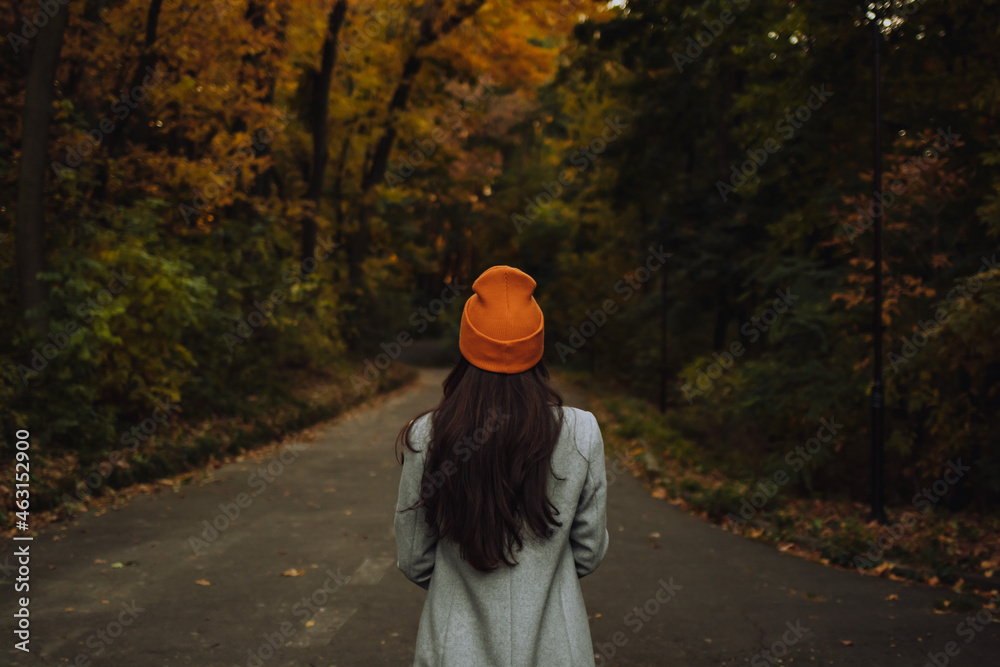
{"points": [[961, 551], [59, 486]]}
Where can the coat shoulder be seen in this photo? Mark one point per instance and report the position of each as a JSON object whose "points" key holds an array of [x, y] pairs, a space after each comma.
{"points": [[582, 427]]}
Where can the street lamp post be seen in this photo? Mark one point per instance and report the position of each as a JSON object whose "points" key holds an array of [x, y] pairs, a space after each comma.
{"points": [[878, 403], [663, 322]]}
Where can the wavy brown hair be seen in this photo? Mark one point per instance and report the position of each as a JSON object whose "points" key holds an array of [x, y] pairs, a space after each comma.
{"points": [[488, 461]]}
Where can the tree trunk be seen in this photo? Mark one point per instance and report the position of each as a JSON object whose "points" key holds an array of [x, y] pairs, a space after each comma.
{"points": [[429, 34], [147, 59], [319, 117], [30, 241], [262, 61]]}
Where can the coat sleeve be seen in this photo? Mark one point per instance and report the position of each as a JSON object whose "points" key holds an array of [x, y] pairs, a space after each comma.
{"points": [[589, 533], [416, 543]]}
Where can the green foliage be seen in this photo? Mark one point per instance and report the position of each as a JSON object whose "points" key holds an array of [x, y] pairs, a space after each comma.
{"points": [[587, 156], [697, 114]]}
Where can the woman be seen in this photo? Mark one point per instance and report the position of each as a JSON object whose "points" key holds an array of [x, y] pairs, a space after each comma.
{"points": [[502, 500]]}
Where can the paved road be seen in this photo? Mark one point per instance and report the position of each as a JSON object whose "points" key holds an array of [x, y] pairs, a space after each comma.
{"points": [[328, 512]]}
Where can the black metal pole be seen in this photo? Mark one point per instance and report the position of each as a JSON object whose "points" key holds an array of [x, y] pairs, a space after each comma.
{"points": [[663, 324], [878, 444]]}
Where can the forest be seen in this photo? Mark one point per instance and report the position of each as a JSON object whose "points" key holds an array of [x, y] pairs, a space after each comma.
{"points": [[223, 220]]}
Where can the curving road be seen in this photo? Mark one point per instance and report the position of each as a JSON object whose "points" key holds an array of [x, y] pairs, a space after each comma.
{"points": [[672, 591]]}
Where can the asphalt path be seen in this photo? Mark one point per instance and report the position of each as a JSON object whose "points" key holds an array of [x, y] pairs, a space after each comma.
{"points": [[156, 583]]}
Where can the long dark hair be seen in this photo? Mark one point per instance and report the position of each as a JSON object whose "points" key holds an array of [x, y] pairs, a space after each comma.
{"points": [[488, 461]]}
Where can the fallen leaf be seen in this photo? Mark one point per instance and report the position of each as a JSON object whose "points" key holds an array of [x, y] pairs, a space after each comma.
{"points": [[203, 582], [292, 572], [117, 565], [847, 642], [310, 623], [68, 609], [100, 560], [660, 492], [882, 567], [892, 596]]}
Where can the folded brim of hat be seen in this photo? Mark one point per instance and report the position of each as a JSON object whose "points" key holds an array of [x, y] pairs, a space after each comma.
{"points": [[500, 356]]}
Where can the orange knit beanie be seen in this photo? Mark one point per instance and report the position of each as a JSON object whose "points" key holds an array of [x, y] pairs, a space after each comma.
{"points": [[502, 325]]}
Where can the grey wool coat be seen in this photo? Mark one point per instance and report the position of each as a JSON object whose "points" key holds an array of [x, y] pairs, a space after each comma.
{"points": [[532, 614]]}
